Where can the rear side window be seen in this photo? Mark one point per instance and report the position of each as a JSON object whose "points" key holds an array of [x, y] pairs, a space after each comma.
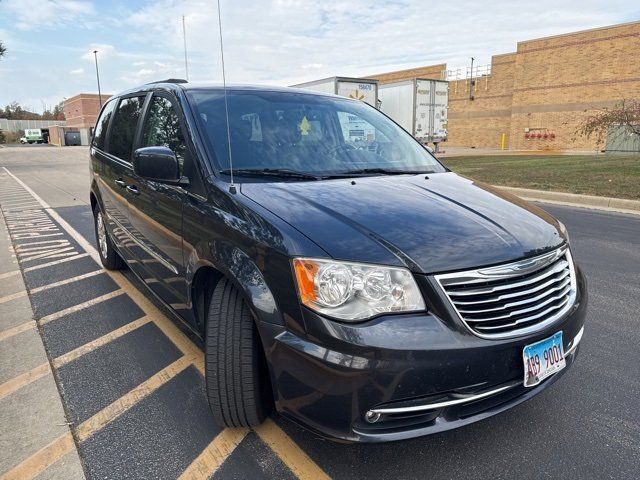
{"points": [[124, 126], [162, 128], [100, 132]]}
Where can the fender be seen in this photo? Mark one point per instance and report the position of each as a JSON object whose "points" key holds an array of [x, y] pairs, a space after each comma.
{"points": [[238, 267], [93, 189]]}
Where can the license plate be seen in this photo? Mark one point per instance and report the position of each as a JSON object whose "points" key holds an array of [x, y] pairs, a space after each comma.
{"points": [[542, 359]]}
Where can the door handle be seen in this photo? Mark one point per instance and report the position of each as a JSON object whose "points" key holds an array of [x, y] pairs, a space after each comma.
{"points": [[133, 189], [121, 183]]}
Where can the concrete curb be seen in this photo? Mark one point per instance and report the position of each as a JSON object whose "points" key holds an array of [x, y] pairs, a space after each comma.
{"points": [[610, 204]]}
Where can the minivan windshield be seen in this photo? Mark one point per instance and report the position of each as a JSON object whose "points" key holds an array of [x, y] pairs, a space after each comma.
{"points": [[300, 135]]}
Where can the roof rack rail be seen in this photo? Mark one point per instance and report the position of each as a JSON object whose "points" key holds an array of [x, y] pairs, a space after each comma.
{"points": [[169, 80]]}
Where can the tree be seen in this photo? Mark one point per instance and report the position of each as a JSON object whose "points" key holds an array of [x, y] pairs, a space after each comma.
{"points": [[56, 113], [3, 50], [14, 111], [626, 114]]}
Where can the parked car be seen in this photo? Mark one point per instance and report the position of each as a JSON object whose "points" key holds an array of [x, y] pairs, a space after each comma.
{"points": [[348, 280]]}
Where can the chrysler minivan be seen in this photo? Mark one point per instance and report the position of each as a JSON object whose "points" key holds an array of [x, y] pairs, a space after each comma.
{"points": [[337, 272]]}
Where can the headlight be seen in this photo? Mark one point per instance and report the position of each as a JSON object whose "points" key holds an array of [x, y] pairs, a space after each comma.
{"points": [[564, 231], [355, 291]]}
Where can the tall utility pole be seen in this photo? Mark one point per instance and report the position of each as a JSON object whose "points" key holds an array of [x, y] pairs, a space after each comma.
{"points": [[184, 38], [471, 81], [95, 55]]}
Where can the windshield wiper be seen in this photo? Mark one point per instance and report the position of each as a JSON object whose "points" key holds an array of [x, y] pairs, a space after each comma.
{"points": [[273, 172], [384, 171]]}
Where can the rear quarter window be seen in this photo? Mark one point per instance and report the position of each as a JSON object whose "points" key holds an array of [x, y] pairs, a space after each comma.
{"points": [[100, 133]]}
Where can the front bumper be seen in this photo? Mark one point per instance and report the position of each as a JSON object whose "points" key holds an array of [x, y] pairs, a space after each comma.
{"points": [[403, 376]]}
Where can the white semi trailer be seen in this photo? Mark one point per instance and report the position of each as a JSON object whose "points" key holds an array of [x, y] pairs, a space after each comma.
{"points": [[419, 106], [359, 88]]}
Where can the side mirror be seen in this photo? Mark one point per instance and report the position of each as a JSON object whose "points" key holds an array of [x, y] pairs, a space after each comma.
{"points": [[157, 163]]}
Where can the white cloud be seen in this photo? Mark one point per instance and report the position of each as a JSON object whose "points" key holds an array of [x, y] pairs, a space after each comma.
{"points": [[159, 71], [104, 51], [77, 71], [145, 72], [273, 41], [288, 41], [38, 14]]}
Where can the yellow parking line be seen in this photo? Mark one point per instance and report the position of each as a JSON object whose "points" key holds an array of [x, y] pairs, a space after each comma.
{"points": [[41, 242], [13, 296], [284, 447], [184, 344], [23, 327], [27, 235], [214, 454], [9, 274], [289, 452], [98, 342], [20, 381], [124, 403], [40, 460], [66, 281], [55, 262], [80, 306]]}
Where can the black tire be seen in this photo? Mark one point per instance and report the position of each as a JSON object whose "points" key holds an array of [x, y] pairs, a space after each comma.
{"points": [[238, 386], [109, 257]]}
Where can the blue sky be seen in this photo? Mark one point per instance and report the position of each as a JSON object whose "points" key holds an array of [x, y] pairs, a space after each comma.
{"points": [[281, 42]]}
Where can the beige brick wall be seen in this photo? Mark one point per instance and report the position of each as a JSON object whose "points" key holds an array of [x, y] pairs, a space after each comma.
{"points": [[431, 71], [561, 80], [482, 121], [551, 84]]}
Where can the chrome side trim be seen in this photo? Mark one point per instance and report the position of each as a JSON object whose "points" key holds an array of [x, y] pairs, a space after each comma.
{"points": [[471, 398], [448, 403], [574, 343]]}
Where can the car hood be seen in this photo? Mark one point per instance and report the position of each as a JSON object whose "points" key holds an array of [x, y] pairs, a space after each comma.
{"points": [[440, 223]]}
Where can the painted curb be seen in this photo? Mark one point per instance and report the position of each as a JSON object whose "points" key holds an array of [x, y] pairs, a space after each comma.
{"points": [[610, 204]]}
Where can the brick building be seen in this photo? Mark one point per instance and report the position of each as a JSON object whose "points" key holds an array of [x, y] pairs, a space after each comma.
{"points": [[546, 86], [81, 112]]}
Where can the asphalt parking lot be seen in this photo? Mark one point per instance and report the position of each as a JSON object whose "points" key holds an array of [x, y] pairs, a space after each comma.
{"points": [[132, 386]]}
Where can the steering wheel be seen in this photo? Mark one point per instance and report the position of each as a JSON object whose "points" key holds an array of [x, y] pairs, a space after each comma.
{"points": [[342, 146]]}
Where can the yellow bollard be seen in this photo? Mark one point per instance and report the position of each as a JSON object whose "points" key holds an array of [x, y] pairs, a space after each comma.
{"points": [[503, 141]]}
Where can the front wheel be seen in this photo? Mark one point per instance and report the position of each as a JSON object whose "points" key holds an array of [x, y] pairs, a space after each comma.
{"points": [[238, 386], [110, 259]]}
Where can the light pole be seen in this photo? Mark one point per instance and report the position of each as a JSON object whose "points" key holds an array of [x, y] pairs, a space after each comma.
{"points": [[95, 55]]}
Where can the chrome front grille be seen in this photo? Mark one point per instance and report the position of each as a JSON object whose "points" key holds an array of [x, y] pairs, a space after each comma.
{"points": [[513, 299]]}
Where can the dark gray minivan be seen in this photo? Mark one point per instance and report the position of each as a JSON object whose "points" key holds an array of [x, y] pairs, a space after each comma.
{"points": [[336, 271]]}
